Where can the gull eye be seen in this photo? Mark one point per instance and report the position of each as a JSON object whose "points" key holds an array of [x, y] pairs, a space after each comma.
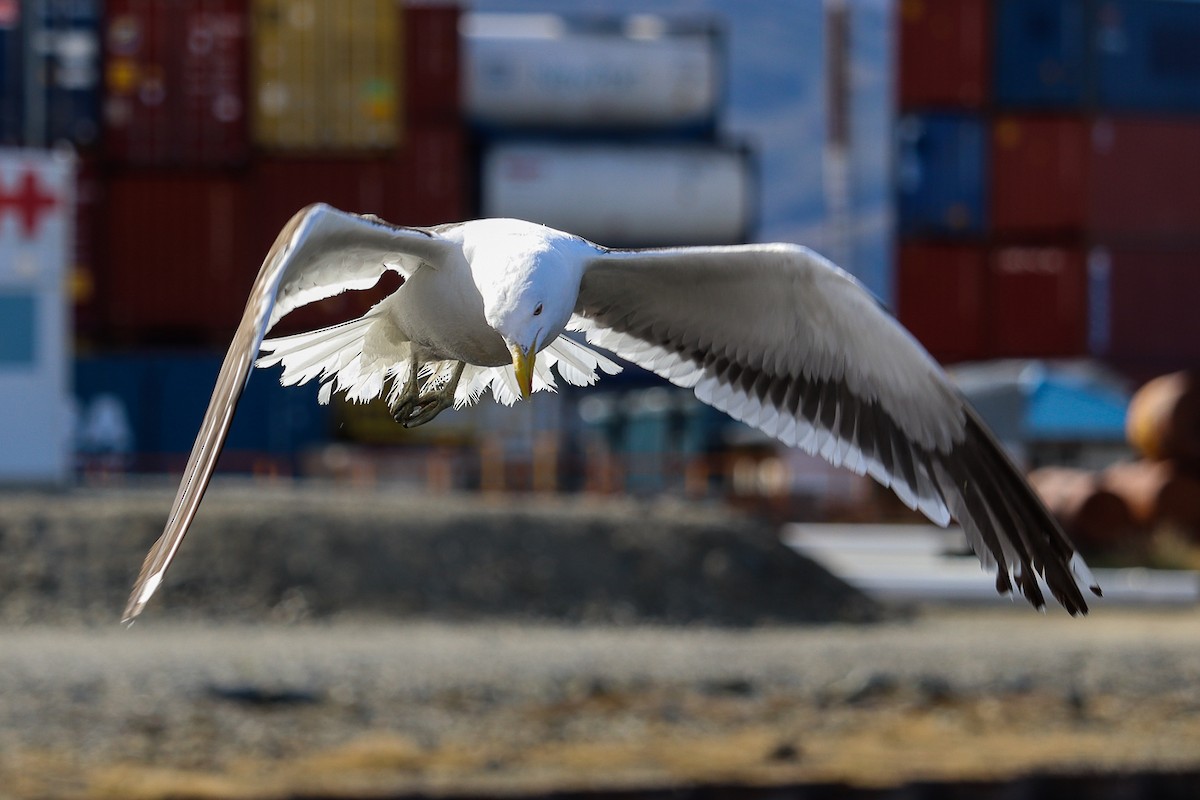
{"points": [[538, 310]]}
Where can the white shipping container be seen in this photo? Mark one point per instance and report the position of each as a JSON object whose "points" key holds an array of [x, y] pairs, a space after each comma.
{"points": [[36, 213], [541, 75], [624, 195]]}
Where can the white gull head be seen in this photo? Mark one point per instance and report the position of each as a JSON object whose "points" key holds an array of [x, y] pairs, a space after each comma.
{"points": [[528, 276]]}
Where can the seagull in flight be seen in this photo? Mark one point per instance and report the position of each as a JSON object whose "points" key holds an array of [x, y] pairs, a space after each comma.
{"points": [[772, 334]]}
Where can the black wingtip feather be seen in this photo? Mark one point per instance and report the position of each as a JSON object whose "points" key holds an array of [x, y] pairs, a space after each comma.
{"points": [[1047, 549]]}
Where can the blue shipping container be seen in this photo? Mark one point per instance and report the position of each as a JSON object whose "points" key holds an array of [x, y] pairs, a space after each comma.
{"points": [[67, 43], [114, 405], [941, 175], [163, 398], [1147, 56], [12, 75], [270, 418], [1041, 53]]}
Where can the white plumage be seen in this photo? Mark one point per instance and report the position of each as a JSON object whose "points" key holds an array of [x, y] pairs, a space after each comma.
{"points": [[772, 334]]}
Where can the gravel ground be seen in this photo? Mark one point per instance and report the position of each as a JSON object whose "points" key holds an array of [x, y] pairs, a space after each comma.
{"points": [[351, 709], [319, 642], [284, 551]]}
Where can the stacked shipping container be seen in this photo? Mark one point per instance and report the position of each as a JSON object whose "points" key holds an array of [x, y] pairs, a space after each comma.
{"points": [[12, 75], [325, 74], [50, 73], [244, 101], [175, 82], [1046, 199], [203, 126], [225, 117], [147, 407]]}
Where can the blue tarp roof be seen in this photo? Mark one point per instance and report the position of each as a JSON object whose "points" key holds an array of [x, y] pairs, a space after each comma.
{"points": [[1047, 400], [1062, 409]]}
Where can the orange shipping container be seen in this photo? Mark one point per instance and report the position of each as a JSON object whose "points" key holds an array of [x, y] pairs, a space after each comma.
{"points": [[325, 74]]}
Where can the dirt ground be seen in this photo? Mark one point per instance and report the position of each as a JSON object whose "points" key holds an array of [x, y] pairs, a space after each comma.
{"points": [[376, 708]]}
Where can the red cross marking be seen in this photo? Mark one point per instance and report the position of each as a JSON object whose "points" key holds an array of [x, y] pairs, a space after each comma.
{"points": [[30, 201]]}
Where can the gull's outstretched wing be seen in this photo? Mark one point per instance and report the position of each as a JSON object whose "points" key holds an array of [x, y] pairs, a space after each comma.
{"points": [[783, 340], [321, 252]]}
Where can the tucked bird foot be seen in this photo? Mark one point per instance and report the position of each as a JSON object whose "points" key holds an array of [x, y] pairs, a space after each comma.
{"points": [[415, 407]]}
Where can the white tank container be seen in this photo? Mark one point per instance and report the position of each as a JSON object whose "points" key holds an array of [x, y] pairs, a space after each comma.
{"points": [[36, 213], [533, 71], [624, 195]]}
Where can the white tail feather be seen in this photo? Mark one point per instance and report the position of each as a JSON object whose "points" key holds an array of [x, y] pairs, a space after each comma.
{"points": [[346, 358]]}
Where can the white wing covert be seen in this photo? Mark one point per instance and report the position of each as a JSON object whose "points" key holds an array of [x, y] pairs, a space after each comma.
{"points": [[781, 339], [320, 253]]}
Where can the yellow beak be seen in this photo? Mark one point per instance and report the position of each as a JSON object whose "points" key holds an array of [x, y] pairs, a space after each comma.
{"points": [[523, 365]]}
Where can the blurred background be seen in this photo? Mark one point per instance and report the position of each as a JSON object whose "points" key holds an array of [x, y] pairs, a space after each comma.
{"points": [[1015, 179], [1008, 176]]}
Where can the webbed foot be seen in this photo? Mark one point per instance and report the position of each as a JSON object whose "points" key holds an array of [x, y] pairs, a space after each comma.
{"points": [[415, 407]]}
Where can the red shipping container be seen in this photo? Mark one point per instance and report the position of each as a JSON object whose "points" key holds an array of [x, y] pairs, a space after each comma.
{"points": [[944, 53], [176, 81], [423, 185], [178, 269], [86, 263], [431, 62], [1040, 180], [282, 186], [137, 60], [1037, 302], [1109, 177], [1143, 306], [213, 79], [428, 179], [1144, 178], [939, 294]]}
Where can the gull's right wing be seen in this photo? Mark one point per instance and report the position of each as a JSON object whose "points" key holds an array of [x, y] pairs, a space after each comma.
{"points": [[321, 252]]}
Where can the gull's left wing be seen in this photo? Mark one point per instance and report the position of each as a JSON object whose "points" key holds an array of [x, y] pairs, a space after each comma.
{"points": [[321, 252], [781, 339]]}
